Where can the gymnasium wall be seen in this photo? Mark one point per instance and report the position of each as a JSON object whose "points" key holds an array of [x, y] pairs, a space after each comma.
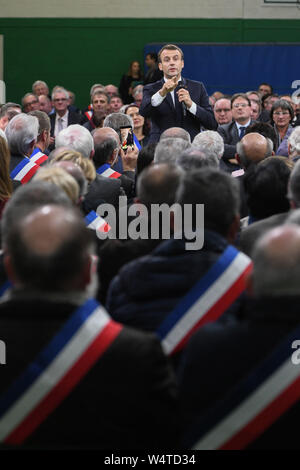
{"points": [[78, 52]]}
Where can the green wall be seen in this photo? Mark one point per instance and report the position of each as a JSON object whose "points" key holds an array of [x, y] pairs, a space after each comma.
{"points": [[79, 52]]}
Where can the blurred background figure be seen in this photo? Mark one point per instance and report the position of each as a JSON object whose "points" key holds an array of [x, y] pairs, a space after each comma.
{"points": [[134, 74]]}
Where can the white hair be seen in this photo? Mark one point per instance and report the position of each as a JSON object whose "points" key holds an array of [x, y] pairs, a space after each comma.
{"points": [[39, 82], [60, 90], [168, 150], [21, 130], [294, 141], [76, 137], [210, 143]]}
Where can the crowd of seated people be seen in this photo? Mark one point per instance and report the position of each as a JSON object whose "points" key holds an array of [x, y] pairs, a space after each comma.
{"points": [[149, 292]]}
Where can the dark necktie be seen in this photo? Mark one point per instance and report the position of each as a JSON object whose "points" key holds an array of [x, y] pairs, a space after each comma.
{"points": [[242, 132]]}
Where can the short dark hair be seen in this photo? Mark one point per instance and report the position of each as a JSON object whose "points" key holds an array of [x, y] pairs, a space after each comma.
{"points": [[146, 157], [29, 197], [152, 55], [266, 188], [44, 121], [104, 150], [219, 193], [267, 84], [265, 129], [283, 104], [170, 47], [53, 271], [240, 95]]}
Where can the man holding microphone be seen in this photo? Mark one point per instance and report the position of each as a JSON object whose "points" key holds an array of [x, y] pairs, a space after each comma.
{"points": [[174, 101]]}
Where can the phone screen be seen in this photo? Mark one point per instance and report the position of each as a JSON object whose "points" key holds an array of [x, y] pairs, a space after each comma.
{"points": [[126, 136]]}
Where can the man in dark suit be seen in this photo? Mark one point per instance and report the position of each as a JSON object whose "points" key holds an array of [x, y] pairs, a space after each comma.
{"points": [[242, 358], [99, 384], [233, 132], [63, 116], [175, 101]]}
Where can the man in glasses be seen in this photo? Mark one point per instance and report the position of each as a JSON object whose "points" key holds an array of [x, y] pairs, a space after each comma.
{"points": [[222, 111], [63, 116], [30, 102], [233, 132]]}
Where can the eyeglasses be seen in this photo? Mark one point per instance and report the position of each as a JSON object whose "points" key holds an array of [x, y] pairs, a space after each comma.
{"points": [[240, 105], [30, 103], [281, 113], [224, 110], [59, 99]]}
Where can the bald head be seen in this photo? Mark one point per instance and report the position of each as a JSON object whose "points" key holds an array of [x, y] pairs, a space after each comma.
{"points": [[253, 148], [176, 132], [104, 133], [46, 229], [158, 184], [49, 249], [276, 258]]}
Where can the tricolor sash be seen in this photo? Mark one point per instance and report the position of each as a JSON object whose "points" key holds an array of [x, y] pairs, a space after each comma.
{"points": [[24, 171], [136, 142], [54, 373], [4, 287], [107, 171], [38, 157], [89, 115], [207, 300], [254, 404], [95, 222]]}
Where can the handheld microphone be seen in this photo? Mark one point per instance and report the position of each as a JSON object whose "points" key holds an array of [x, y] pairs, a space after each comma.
{"points": [[183, 105]]}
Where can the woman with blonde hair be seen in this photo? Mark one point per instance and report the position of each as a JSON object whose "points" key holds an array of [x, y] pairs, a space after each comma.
{"points": [[60, 177], [84, 163], [6, 186]]}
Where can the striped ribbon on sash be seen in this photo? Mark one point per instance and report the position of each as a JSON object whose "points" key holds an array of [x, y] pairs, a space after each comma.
{"points": [[24, 171], [54, 373], [38, 157], [95, 222], [254, 404], [107, 171], [207, 300]]}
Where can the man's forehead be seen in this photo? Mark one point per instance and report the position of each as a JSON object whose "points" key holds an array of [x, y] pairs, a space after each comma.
{"points": [[100, 97], [222, 102], [170, 53]]}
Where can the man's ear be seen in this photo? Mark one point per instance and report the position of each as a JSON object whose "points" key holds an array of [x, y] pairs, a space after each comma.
{"points": [[233, 229], [237, 157], [9, 268], [160, 65], [249, 284]]}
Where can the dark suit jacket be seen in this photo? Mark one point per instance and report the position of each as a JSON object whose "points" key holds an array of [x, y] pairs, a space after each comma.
{"points": [[73, 118], [230, 135], [126, 400], [166, 115], [102, 190], [250, 235]]}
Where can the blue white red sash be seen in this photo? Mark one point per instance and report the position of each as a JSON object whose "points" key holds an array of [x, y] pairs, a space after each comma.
{"points": [[107, 171], [89, 115], [38, 157], [207, 300], [4, 287], [95, 222], [255, 404], [136, 142], [24, 171], [56, 371]]}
